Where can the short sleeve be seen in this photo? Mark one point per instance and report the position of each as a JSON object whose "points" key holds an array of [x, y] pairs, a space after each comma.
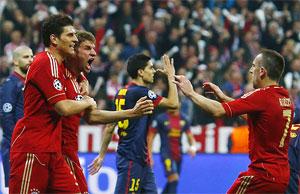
{"points": [[47, 76], [154, 97], [248, 103]]}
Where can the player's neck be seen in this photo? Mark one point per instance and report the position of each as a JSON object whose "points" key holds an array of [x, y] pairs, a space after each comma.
{"points": [[268, 83], [140, 82], [18, 71], [55, 53], [72, 66]]}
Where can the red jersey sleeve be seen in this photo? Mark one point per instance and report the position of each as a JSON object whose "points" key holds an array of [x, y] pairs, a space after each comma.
{"points": [[48, 78], [250, 102]]}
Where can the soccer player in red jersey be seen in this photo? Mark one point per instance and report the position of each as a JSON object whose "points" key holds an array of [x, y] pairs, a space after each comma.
{"points": [[75, 66], [269, 113], [37, 164]]}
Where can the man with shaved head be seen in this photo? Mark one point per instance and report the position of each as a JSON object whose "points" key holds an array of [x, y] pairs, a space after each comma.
{"points": [[11, 101]]}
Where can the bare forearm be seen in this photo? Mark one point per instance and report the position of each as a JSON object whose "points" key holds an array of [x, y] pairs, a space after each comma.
{"points": [[109, 129], [104, 116], [71, 107], [211, 106]]}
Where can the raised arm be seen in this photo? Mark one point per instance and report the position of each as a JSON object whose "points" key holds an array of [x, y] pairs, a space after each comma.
{"points": [[95, 166], [142, 107], [210, 87], [211, 106], [172, 100]]}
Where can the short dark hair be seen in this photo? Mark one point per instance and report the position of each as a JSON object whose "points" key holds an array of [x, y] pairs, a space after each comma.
{"points": [[136, 62], [83, 36], [274, 63], [54, 25]]}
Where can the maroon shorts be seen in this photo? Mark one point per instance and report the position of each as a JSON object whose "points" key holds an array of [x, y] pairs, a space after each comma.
{"points": [[251, 183], [41, 173], [73, 161]]}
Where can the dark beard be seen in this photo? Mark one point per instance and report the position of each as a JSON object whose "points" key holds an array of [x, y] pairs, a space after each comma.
{"points": [[24, 70]]}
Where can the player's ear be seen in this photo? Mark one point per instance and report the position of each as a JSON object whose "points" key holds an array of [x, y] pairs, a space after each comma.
{"points": [[263, 72], [140, 72], [53, 39]]}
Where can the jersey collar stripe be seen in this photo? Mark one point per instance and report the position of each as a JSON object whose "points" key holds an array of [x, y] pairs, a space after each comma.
{"points": [[53, 65], [50, 63], [75, 86]]}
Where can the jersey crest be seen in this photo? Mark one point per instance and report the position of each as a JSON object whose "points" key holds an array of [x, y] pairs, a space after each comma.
{"points": [[7, 107], [57, 85], [151, 94]]}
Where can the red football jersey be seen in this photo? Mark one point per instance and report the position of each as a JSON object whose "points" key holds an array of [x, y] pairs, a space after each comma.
{"points": [[70, 124], [40, 128], [270, 114]]}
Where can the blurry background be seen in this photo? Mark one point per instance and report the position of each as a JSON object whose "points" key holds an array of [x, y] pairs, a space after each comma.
{"points": [[210, 40]]}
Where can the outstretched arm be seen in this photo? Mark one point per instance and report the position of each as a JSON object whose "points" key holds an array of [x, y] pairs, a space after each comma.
{"points": [[142, 107], [95, 166], [208, 86], [211, 106], [172, 100]]}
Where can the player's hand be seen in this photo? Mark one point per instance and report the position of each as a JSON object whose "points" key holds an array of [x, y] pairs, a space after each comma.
{"points": [[143, 107], [95, 166], [192, 151], [184, 84], [169, 68], [210, 87], [84, 87], [91, 101]]}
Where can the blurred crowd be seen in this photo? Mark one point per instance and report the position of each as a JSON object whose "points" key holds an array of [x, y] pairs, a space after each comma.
{"points": [[210, 40]]}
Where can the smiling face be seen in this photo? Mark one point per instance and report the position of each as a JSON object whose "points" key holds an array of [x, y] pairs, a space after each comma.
{"points": [[147, 74], [86, 55], [66, 41]]}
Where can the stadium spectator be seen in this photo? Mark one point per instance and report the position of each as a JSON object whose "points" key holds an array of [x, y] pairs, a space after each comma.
{"points": [[12, 101], [269, 119]]}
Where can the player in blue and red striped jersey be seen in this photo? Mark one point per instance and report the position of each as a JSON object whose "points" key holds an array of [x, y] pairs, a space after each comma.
{"points": [[269, 112], [294, 159], [12, 101], [135, 174], [171, 125], [36, 161]]}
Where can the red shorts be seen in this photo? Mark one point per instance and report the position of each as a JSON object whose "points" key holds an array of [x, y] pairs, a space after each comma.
{"points": [[251, 183], [73, 161], [41, 173]]}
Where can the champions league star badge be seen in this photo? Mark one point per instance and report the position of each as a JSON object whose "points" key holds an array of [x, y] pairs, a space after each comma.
{"points": [[7, 107], [151, 94], [57, 85], [78, 97]]}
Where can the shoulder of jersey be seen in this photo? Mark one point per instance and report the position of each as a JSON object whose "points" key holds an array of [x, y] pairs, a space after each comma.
{"points": [[252, 92]]}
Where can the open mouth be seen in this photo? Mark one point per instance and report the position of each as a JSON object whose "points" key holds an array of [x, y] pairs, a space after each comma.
{"points": [[90, 61]]}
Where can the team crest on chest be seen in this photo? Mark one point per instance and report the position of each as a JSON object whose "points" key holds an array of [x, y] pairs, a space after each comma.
{"points": [[151, 94], [57, 85], [78, 97]]}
